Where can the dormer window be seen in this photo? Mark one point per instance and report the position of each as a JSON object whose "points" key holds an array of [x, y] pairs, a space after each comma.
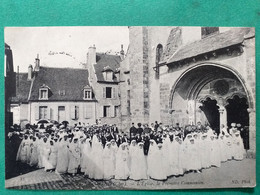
{"points": [[87, 93], [108, 73], [44, 92]]}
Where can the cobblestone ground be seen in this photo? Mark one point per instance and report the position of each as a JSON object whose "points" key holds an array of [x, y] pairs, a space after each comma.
{"points": [[232, 174]]}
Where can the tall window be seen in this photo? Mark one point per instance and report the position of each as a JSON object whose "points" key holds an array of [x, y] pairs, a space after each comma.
{"points": [[109, 92], [43, 112], [106, 111], [159, 52], [44, 94], [206, 31]]}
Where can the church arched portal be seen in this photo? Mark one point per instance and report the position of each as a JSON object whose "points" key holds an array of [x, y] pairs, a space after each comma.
{"points": [[190, 96]]}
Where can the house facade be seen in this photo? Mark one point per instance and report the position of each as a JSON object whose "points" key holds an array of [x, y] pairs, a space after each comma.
{"points": [[60, 94], [104, 77]]}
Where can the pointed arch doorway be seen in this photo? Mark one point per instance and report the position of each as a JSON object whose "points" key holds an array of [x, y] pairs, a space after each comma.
{"points": [[237, 111], [211, 111]]}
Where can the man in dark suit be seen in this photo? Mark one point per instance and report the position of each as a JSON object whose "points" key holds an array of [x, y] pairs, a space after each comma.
{"points": [[139, 129], [132, 131], [146, 140], [156, 126], [114, 129]]}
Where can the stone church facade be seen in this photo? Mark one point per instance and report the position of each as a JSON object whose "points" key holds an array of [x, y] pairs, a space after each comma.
{"points": [[189, 74]]}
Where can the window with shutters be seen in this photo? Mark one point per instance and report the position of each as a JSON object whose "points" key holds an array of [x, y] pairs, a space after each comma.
{"points": [[43, 112], [74, 112], [106, 111], [109, 92]]}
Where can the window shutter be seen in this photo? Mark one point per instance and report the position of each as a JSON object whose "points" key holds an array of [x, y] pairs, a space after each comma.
{"points": [[51, 114], [48, 112], [109, 111], [104, 92], [114, 92], [89, 111], [72, 112], [102, 108], [113, 110], [36, 111]]}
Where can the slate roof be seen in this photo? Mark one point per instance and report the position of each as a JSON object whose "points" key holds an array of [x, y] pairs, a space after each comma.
{"points": [[70, 80], [106, 60], [173, 43], [209, 44], [22, 88]]}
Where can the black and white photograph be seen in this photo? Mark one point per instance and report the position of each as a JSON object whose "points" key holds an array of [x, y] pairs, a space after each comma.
{"points": [[129, 107]]}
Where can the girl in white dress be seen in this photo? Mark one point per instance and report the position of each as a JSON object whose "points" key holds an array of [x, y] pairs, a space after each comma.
{"points": [[122, 170], [160, 173], [229, 147], [238, 147], [34, 153], [108, 160], [152, 159], [138, 164], [45, 154], [24, 150], [62, 156], [85, 156], [132, 152], [223, 155], [96, 166], [53, 154], [74, 156], [193, 159]]}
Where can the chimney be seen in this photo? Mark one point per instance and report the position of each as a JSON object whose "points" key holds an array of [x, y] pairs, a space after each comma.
{"points": [[91, 58], [37, 63], [122, 53], [30, 72]]}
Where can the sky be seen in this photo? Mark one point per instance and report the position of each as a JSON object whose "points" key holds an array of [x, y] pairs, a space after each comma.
{"points": [[62, 46]]}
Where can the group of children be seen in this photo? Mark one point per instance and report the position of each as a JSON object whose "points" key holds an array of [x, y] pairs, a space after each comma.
{"points": [[172, 157]]}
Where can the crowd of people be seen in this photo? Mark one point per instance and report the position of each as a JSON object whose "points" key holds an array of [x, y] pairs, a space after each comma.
{"points": [[103, 153]]}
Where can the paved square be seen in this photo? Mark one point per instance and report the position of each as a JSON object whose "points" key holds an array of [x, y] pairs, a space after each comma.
{"points": [[241, 172]]}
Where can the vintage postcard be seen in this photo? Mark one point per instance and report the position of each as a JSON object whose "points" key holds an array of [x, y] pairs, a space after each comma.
{"points": [[130, 107]]}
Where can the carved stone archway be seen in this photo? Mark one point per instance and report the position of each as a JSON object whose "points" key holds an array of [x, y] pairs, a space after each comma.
{"points": [[189, 85]]}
